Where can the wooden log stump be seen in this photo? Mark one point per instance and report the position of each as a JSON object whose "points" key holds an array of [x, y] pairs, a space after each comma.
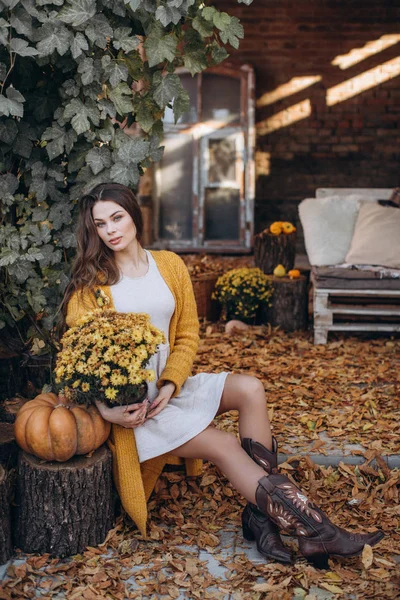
{"points": [[63, 507], [273, 250], [8, 446], [289, 307], [5, 517]]}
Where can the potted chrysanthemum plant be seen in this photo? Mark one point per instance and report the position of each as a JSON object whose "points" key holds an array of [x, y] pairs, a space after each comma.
{"points": [[242, 292], [104, 357]]}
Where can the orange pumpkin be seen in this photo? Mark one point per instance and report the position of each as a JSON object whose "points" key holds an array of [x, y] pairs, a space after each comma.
{"points": [[276, 228], [53, 430], [288, 227], [294, 274]]}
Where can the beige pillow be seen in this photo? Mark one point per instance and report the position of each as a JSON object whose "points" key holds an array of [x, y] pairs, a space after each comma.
{"points": [[376, 238]]}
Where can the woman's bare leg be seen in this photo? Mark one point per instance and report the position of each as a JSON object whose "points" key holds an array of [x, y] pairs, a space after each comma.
{"points": [[223, 450], [246, 394]]}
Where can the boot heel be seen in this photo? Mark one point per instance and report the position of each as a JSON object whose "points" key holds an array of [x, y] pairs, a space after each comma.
{"points": [[247, 532], [319, 561]]}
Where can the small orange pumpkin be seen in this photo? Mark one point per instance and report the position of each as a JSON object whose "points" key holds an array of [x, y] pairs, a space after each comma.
{"points": [[288, 227], [54, 430], [276, 228], [294, 274]]}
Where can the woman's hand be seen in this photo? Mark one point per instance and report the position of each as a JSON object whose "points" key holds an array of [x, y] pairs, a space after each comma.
{"points": [[129, 416], [164, 396]]}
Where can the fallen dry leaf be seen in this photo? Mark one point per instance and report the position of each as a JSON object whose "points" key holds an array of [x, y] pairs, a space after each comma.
{"points": [[367, 556]]}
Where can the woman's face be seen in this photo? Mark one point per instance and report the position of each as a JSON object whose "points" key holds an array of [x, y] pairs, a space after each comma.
{"points": [[114, 225]]}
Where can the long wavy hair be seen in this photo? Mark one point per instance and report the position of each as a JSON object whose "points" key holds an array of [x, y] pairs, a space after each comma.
{"points": [[94, 263]]}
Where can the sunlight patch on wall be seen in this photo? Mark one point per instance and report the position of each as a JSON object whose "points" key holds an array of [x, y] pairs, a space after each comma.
{"points": [[263, 163], [286, 117], [344, 61], [296, 84], [365, 81]]}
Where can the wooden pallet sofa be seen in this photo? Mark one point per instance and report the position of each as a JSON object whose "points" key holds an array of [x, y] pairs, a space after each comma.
{"points": [[340, 224]]}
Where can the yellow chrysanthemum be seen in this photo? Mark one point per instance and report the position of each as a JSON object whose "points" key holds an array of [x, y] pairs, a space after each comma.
{"points": [[151, 375], [110, 393], [85, 387]]}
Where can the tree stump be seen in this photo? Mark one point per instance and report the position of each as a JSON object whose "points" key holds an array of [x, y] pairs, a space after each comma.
{"points": [[273, 250], [289, 302], [5, 518], [8, 446], [63, 507]]}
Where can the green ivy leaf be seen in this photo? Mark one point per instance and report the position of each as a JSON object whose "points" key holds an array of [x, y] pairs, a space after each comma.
{"points": [[79, 44], [208, 13], [160, 47], [232, 33], [60, 214], [13, 104], [125, 175], [114, 70], [124, 40], [133, 4], [221, 20], [167, 89], [204, 27], [22, 23], [181, 104], [8, 131], [59, 139], [218, 53], [21, 271], [22, 48], [8, 257], [195, 61], [78, 12], [121, 97], [133, 151], [99, 159], [80, 114], [87, 70], [53, 38], [99, 30], [167, 15], [67, 238], [39, 214]]}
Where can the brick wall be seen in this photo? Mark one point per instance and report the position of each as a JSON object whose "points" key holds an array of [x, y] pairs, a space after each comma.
{"points": [[310, 132]]}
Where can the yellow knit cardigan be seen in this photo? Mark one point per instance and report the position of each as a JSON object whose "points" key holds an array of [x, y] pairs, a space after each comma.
{"points": [[135, 482]]}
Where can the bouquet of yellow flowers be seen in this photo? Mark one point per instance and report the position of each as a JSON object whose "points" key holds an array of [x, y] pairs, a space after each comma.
{"points": [[242, 291], [104, 357]]}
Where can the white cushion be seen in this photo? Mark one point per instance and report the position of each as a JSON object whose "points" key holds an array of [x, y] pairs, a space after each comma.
{"points": [[328, 225], [376, 239]]}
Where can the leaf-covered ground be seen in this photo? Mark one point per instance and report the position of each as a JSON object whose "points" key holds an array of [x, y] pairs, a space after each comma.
{"points": [[349, 389]]}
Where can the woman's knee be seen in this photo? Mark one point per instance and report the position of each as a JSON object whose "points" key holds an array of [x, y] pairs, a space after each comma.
{"points": [[253, 389]]}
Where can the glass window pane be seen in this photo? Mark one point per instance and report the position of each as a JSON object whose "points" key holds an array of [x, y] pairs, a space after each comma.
{"points": [[176, 174], [222, 160], [190, 85], [222, 214], [220, 98]]}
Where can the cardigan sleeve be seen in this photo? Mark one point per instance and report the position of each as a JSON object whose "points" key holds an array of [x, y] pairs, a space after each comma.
{"points": [[80, 303], [180, 362]]}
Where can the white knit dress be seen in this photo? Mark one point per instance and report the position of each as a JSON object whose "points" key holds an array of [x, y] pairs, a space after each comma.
{"points": [[189, 413]]}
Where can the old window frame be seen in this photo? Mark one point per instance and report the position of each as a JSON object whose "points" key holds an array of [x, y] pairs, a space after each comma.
{"points": [[202, 132]]}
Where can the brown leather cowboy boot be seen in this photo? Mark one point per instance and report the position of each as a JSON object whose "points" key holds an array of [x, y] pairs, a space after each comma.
{"points": [[318, 537], [256, 525]]}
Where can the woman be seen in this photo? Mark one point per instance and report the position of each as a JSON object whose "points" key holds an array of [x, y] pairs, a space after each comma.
{"points": [[178, 415]]}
